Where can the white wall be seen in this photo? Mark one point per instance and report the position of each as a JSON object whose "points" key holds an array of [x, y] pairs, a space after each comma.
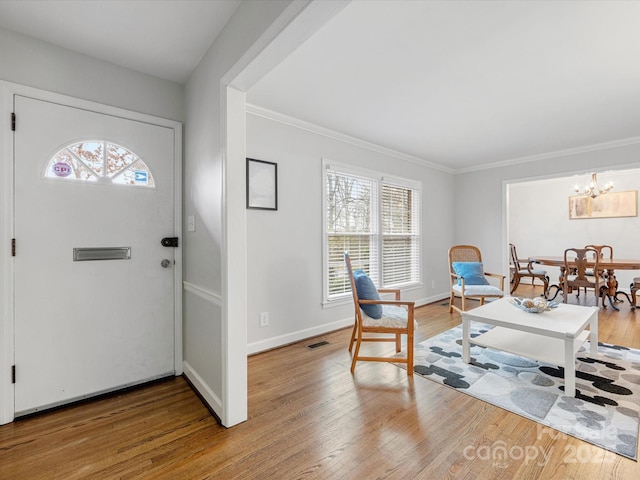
{"points": [[479, 207], [284, 250], [539, 224], [34, 63], [206, 351]]}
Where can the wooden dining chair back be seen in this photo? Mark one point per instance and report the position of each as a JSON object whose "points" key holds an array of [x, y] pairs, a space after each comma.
{"points": [[468, 278], [524, 269], [376, 316], [603, 251], [576, 273]]}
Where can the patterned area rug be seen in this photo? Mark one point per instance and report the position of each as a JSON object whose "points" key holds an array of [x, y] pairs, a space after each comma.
{"points": [[605, 411]]}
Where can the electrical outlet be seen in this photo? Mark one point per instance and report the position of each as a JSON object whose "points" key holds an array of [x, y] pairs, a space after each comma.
{"points": [[433, 284], [264, 319], [191, 223]]}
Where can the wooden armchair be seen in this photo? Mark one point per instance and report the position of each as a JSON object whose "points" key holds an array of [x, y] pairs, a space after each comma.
{"points": [[395, 317], [524, 269], [575, 271], [467, 283]]}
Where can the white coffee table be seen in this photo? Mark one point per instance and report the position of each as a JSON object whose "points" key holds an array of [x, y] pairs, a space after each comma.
{"points": [[552, 337]]}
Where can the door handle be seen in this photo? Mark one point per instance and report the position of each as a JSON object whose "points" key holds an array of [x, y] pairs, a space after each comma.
{"points": [[165, 263]]}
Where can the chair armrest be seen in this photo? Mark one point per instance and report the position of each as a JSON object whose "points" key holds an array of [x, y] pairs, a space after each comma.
{"points": [[387, 302], [528, 262], [390, 290], [498, 276]]}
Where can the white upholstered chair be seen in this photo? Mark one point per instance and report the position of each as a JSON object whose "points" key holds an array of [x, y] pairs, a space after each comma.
{"points": [[468, 278], [376, 316]]}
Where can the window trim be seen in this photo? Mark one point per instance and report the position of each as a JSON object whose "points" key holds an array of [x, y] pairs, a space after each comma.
{"points": [[379, 177]]}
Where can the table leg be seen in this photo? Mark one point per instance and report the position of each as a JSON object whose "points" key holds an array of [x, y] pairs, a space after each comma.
{"points": [[557, 287], [558, 290], [569, 368], [610, 291], [465, 339], [631, 304]]}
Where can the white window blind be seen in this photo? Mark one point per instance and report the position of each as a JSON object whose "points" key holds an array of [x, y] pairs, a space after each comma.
{"points": [[350, 215], [400, 235], [376, 220]]}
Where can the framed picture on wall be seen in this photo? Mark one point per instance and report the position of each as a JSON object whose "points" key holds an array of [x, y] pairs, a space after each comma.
{"points": [[608, 205], [262, 184]]}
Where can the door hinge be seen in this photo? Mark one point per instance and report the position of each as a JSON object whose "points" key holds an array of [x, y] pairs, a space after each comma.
{"points": [[13, 122], [13, 247], [13, 374]]}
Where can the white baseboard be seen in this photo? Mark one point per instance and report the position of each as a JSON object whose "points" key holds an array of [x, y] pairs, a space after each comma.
{"points": [[279, 341], [208, 395], [293, 337]]}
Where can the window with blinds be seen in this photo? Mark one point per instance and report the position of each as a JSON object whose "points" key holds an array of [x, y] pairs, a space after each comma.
{"points": [[376, 220], [400, 235]]}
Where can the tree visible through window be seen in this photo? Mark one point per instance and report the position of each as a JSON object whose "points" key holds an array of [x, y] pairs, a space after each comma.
{"points": [[376, 220], [100, 162]]}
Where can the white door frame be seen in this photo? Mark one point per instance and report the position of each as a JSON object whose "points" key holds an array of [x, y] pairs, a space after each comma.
{"points": [[7, 351]]}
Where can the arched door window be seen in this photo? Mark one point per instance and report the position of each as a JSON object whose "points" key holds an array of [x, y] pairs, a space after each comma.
{"points": [[100, 162]]}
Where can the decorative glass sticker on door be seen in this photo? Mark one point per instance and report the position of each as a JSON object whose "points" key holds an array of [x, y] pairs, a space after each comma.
{"points": [[100, 162]]}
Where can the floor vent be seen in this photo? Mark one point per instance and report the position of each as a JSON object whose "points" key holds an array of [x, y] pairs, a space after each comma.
{"points": [[445, 304], [319, 344]]}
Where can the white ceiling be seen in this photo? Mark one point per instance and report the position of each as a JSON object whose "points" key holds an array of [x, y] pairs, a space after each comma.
{"points": [[461, 84], [468, 83], [166, 38]]}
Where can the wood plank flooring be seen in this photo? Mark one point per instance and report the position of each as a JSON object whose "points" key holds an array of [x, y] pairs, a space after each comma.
{"points": [[311, 419]]}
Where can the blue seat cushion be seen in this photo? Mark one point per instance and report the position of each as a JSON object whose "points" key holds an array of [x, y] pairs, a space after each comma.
{"points": [[472, 272], [367, 291]]}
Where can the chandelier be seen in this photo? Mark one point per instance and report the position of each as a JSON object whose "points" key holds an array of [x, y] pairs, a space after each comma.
{"points": [[592, 189]]}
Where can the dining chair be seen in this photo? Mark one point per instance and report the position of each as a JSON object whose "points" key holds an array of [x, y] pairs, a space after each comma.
{"points": [[524, 269], [575, 271], [376, 316], [604, 251], [468, 278]]}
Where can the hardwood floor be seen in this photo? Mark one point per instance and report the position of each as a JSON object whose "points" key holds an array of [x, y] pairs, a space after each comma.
{"points": [[310, 419]]}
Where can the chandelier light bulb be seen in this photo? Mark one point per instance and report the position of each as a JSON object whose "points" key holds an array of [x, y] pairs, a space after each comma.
{"points": [[592, 189]]}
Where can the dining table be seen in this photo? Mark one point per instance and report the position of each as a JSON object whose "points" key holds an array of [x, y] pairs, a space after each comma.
{"points": [[609, 265]]}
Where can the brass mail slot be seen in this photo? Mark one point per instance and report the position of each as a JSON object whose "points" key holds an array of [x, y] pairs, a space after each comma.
{"points": [[101, 253]]}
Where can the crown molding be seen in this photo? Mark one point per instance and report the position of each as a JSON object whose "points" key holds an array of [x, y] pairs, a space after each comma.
{"points": [[335, 135], [341, 137], [558, 153]]}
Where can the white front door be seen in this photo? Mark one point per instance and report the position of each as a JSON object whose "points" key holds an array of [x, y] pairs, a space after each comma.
{"points": [[83, 327]]}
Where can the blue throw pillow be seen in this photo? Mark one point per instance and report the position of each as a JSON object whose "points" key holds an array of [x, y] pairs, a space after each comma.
{"points": [[367, 291], [472, 272]]}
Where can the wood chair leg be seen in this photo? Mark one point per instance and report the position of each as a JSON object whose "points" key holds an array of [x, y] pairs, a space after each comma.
{"points": [[355, 354], [410, 347], [353, 334], [516, 282], [398, 343]]}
